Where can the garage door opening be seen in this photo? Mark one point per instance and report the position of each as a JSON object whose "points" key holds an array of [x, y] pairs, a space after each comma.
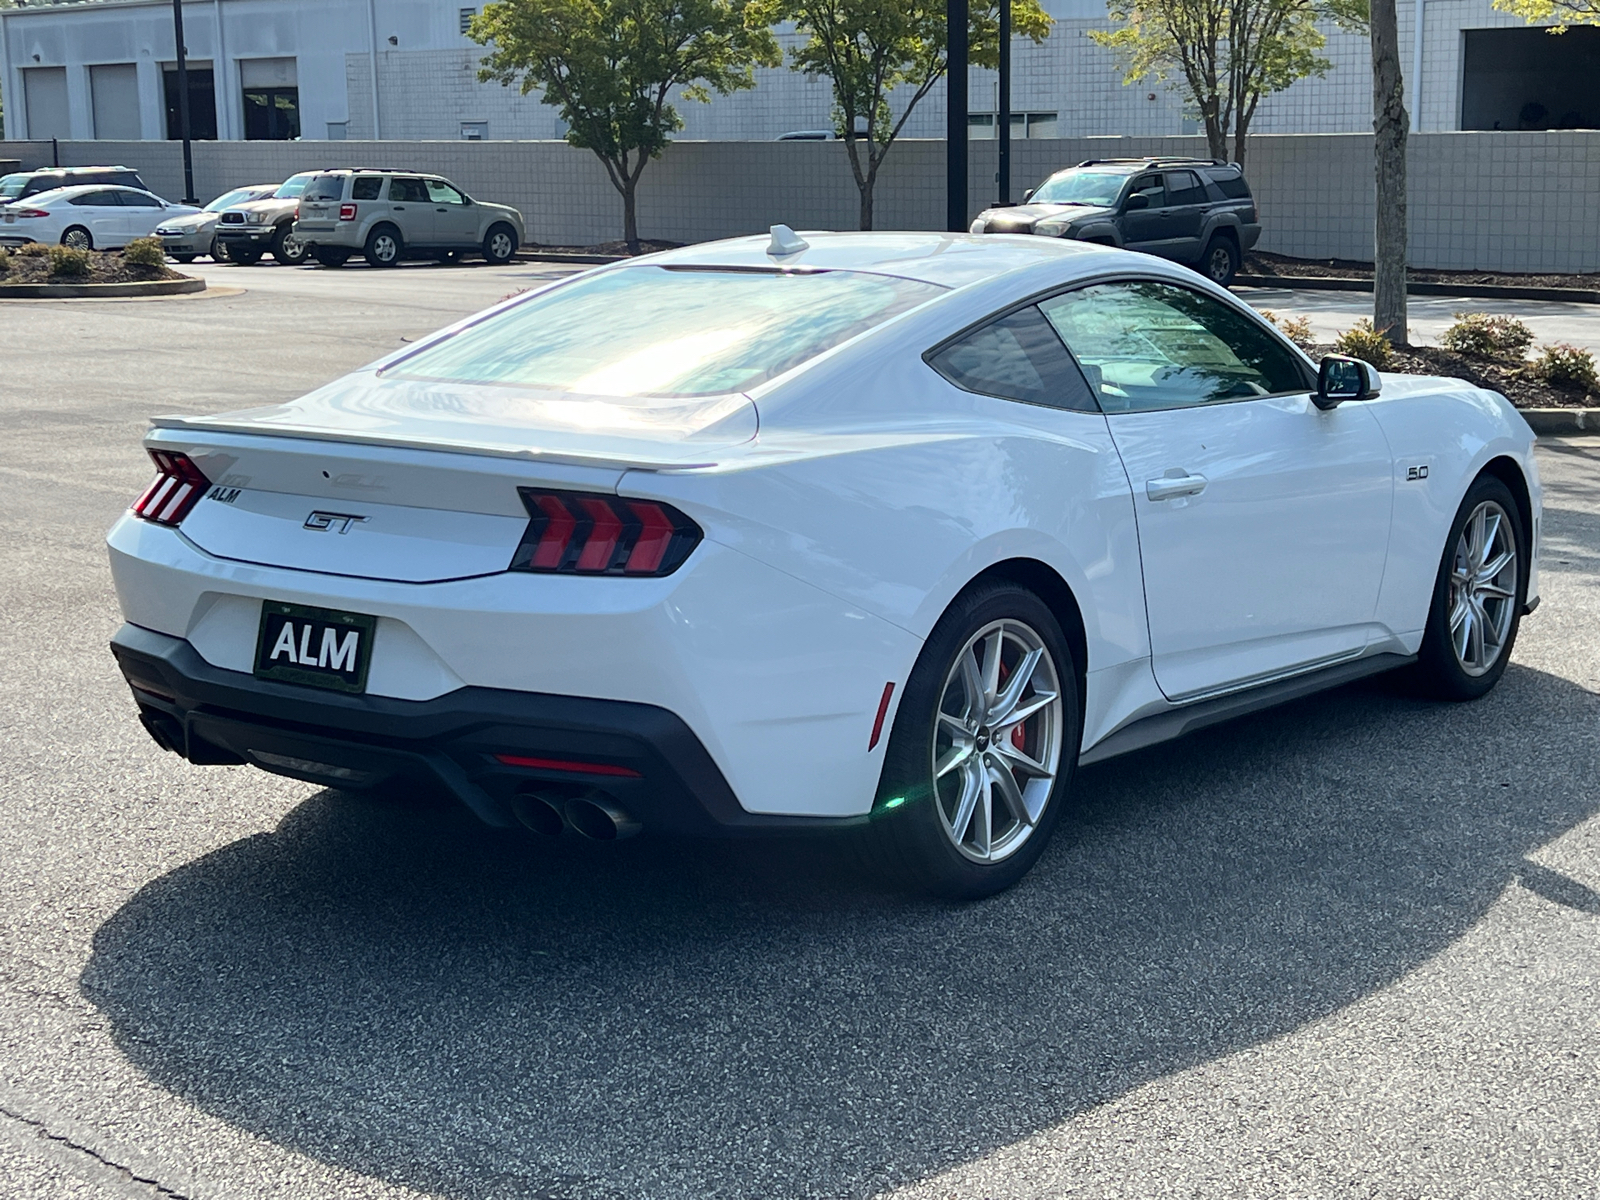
{"points": [[1531, 79]]}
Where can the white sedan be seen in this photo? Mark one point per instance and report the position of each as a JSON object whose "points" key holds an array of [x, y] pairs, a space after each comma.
{"points": [[93, 217], [879, 531]]}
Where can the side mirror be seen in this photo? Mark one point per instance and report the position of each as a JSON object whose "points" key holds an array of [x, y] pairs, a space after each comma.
{"points": [[1027, 195], [1136, 202], [1341, 378]]}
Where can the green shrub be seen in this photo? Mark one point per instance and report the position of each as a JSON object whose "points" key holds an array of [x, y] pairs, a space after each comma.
{"points": [[67, 263], [145, 252], [1561, 365], [1362, 341], [31, 250], [1488, 336], [5, 262]]}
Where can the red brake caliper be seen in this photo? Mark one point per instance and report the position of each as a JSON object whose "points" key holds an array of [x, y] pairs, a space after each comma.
{"points": [[1019, 735]]}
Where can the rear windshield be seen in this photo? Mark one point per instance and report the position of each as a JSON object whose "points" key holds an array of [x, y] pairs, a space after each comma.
{"points": [[1081, 187], [323, 187], [11, 186], [662, 331]]}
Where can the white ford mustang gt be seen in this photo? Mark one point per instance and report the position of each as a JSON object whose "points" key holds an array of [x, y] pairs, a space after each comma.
{"points": [[876, 530]]}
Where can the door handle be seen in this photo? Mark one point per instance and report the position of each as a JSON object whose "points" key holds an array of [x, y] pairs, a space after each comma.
{"points": [[1171, 487]]}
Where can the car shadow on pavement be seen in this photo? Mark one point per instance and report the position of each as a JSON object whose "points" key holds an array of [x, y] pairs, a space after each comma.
{"points": [[398, 991]]}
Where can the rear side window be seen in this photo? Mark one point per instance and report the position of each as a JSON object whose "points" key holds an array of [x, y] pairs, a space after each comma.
{"points": [[1017, 357], [1184, 187], [44, 183], [137, 200], [405, 190], [96, 200], [1232, 185], [324, 187], [365, 187], [662, 331]]}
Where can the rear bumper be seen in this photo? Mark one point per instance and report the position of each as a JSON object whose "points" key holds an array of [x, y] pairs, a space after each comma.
{"points": [[644, 757]]}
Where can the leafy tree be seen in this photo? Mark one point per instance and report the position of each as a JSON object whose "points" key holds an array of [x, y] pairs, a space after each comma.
{"points": [[1224, 55], [1562, 12], [868, 48], [610, 66]]}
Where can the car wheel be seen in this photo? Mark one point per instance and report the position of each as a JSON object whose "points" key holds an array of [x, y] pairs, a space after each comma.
{"points": [[331, 258], [1221, 260], [983, 749], [383, 246], [244, 258], [1478, 596], [219, 252], [185, 259], [77, 238], [286, 248], [499, 244]]}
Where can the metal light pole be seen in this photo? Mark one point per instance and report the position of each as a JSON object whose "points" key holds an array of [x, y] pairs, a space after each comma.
{"points": [[183, 102], [955, 17], [1003, 175]]}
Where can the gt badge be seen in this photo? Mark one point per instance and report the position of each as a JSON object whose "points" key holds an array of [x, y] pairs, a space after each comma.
{"points": [[337, 522]]}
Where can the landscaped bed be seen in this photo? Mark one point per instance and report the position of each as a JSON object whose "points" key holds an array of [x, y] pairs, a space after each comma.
{"points": [[1259, 262], [141, 261]]}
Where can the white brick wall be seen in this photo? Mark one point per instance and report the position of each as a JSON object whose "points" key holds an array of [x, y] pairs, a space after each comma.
{"points": [[1489, 201]]}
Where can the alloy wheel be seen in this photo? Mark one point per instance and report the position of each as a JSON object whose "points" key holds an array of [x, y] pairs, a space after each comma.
{"points": [[997, 741], [500, 245], [384, 247], [293, 249], [76, 239], [1220, 265], [1483, 588]]}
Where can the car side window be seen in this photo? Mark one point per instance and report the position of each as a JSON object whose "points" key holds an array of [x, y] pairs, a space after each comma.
{"points": [[1183, 187], [95, 200], [1147, 345], [440, 192], [136, 200], [1016, 357], [1152, 189], [366, 187], [407, 191]]}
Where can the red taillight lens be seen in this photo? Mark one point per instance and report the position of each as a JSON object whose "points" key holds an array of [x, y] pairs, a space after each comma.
{"points": [[178, 486], [30, 212], [581, 533], [347, 212]]}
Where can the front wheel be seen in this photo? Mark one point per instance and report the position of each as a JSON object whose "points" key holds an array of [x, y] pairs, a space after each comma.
{"points": [[1477, 597], [499, 244], [983, 749], [288, 249], [1220, 262]]}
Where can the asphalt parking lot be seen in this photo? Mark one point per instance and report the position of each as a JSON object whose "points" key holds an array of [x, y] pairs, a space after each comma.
{"points": [[1346, 948]]}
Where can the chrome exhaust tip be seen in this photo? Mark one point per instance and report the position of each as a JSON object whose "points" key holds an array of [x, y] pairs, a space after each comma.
{"points": [[539, 813], [596, 815]]}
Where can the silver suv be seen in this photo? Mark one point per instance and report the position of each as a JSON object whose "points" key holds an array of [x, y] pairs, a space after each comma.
{"points": [[390, 215]]}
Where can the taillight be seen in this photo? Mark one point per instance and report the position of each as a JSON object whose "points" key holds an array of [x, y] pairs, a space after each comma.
{"points": [[29, 212], [178, 487], [582, 533], [347, 212]]}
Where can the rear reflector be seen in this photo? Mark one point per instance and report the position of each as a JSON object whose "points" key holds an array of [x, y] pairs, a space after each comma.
{"points": [[563, 764], [178, 487], [584, 533]]}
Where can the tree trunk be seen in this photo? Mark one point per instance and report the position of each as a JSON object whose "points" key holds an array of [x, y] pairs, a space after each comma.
{"points": [[1389, 126], [866, 201], [630, 215]]}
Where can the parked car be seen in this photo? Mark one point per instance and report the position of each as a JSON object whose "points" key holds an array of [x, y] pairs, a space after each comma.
{"points": [[542, 556], [87, 218], [391, 215], [247, 231], [186, 238], [22, 184], [1196, 211]]}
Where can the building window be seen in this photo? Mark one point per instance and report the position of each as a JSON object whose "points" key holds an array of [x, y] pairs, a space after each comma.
{"points": [[466, 18], [202, 103], [474, 131], [981, 126], [271, 99]]}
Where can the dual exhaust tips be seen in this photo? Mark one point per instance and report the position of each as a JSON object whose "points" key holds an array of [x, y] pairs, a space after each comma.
{"points": [[591, 812]]}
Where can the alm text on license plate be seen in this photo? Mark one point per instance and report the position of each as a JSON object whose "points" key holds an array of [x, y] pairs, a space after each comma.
{"points": [[316, 647]]}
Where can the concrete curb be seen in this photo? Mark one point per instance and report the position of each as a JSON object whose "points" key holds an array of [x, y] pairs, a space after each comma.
{"points": [[78, 291], [1562, 422], [1464, 291]]}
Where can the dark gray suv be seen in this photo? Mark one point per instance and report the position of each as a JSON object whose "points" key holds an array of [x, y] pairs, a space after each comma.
{"points": [[1197, 211]]}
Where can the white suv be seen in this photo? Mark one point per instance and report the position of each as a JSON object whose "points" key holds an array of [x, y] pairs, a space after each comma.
{"points": [[390, 215]]}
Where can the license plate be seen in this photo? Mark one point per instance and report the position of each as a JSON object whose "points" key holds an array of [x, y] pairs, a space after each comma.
{"points": [[316, 647]]}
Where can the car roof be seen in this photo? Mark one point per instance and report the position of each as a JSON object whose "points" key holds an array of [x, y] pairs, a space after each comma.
{"points": [[948, 259], [79, 189]]}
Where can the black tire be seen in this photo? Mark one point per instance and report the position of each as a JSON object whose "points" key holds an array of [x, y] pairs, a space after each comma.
{"points": [[244, 258], [499, 244], [288, 249], [185, 259], [77, 238], [908, 838], [384, 246], [329, 257], [1439, 670], [219, 251], [1220, 262]]}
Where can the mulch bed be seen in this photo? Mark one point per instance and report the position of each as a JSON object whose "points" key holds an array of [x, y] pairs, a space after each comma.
{"points": [[105, 266], [646, 246], [1511, 381], [1262, 263]]}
